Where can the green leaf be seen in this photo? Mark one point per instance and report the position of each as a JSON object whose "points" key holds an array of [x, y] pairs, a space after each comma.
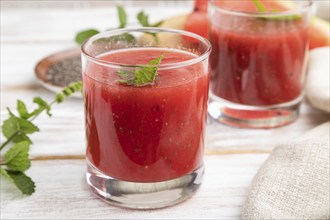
{"points": [[21, 137], [147, 74], [156, 61], [84, 35], [22, 182], [20, 125], [43, 105], [26, 126], [22, 110], [125, 74], [5, 174], [10, 126], [144, 75], [126, 37], [143, 19], [10, 112], [127, 77], [119, 38], [282, 18], [261, 8], [158, 24], [122, 16], [17, 157]]}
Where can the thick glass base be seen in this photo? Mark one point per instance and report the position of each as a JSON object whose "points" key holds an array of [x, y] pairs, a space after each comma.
{"points": [[245, 116], [138, 195]]}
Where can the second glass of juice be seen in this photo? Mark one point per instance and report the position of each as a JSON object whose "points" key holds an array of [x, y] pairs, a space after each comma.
{"points": [[258, 61], [145, 137]]}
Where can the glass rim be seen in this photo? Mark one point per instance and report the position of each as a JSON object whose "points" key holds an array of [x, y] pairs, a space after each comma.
{"points": [[308, 4], [110, 33]]}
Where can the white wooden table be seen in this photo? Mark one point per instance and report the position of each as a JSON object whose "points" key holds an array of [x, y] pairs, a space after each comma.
{"points": [[232, 155]]}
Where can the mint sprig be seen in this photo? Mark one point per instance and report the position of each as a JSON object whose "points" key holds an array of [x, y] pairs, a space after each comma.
{"points": [[262, 9], [85, 34], [17, 129], [122, 16], [144, 21], [23, 182], [17, 157], [142, 75], [142, 18]]}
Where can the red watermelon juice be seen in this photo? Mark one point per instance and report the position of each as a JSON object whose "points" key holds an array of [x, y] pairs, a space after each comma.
{"points": [[257, 61], [148, 133]]}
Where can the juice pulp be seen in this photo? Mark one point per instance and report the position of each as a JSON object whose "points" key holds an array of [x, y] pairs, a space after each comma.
{"points": [[256, 61], [149, 133]]}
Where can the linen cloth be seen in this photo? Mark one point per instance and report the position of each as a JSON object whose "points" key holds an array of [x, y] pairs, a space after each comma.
{"points": [[293, 183], [318, 78]]}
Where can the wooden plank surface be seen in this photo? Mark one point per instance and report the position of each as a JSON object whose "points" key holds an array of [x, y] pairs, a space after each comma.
{"points": [[62, 193], [233, 155], [63, 133]]}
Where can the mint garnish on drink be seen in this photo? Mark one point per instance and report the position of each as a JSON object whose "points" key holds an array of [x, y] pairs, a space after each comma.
{"points": [[262, 9], [142, 75]]}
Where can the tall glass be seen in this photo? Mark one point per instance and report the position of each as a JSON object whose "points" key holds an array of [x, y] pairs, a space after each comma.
{"points": [[145, 139], [258, 61]]}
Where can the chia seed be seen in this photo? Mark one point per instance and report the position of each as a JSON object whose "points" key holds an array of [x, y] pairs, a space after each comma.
{"points": [[65, 72]]}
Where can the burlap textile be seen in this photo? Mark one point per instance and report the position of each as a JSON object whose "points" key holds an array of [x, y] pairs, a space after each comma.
{"points": [[293, 183]]}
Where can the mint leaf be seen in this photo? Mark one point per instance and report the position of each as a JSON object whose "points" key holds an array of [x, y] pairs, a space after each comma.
{"points": [[10, 126], [147, 74], [127, 77], [22, 110], [155, 62], [144, 20], [282, 18], [14, 124], [142, 75], [26, 126], [158, 24], [5, 174], [261, 8], [19, 126], [122, 16], [126, 37], [10, 112], [125, 74], [84, 35], [21, 137], [17, 157], [22, 182], [16, 129], [42, 105]]}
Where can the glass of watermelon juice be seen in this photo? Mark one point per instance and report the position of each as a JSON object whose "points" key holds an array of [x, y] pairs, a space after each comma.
{"points": [[145, 98], [258, 61]]}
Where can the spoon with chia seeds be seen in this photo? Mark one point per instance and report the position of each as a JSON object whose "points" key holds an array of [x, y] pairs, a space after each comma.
{"points": [[59, 70]]}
